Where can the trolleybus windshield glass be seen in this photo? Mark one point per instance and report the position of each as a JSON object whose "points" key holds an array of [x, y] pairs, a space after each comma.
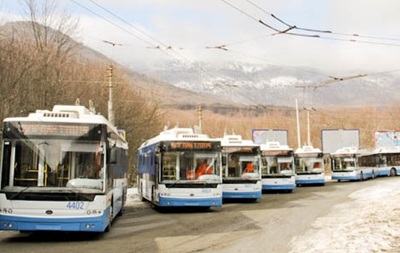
{"points": [[189, 165], [53, 163], [344, 163]]}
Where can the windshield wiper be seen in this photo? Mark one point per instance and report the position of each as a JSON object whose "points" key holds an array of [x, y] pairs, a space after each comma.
{"points": [[14, 196], [79, 194]]}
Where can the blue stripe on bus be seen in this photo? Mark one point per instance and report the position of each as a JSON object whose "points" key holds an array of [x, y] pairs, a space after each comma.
{"points": [[242, 195], [87, 224], [166, 201], [279, 187], [310, 181], [355, 177]]}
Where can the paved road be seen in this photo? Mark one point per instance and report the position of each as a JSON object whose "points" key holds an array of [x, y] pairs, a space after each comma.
{"points": [[264, 226]]}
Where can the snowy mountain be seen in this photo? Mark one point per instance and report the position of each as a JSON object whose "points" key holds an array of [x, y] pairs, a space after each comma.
{"points": [[250, 84]]}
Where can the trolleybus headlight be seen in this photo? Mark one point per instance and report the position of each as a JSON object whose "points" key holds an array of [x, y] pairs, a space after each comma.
{"points": [[8, 225], [88, 226], [5, 210], [89, 212]]}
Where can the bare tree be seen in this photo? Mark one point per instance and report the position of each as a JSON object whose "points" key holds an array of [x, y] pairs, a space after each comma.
{"points": [[51, 29], [16, 64]]}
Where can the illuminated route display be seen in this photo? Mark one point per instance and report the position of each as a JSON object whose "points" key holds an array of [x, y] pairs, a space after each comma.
{"points": [[190, 145], [75, 130], [56, 130]]}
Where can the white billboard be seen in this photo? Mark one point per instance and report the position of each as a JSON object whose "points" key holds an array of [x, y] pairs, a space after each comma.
{"points": [[334, 139], [261, 136]]}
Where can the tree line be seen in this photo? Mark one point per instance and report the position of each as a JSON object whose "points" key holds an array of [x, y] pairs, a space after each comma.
{"points": [[41, 66]]}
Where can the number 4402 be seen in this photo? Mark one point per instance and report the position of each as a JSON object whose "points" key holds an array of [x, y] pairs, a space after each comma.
{"points": [[75, 205]]}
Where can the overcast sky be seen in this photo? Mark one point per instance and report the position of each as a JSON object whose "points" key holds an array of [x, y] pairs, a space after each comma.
{"points": [[189, 30]]}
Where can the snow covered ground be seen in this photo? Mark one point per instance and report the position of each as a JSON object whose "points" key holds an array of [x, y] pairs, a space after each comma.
{"points": [[368, 222]]}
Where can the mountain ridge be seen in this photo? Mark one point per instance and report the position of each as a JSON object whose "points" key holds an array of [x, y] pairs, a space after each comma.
{"points": [[241, 84], [255, 84]]}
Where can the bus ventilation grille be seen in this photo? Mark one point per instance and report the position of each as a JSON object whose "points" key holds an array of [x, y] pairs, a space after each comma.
{"points": [[57, 115]]}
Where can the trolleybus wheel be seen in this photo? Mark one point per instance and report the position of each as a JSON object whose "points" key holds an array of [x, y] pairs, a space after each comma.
{"points": [[153, 197], [141, 193], [392, 172], [110, 217], [121, 212]]}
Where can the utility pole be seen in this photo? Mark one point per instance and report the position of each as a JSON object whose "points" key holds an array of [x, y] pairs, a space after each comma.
{"points": [[110, 99], [315, 87], [200, 112], [298, 125], [308, 128], [110, 86]]}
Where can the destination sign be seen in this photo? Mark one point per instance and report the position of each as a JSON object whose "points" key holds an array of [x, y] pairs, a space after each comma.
{"points": [[240, 149], [306, 155], [54, 129], [276, 152], [190, 145]]}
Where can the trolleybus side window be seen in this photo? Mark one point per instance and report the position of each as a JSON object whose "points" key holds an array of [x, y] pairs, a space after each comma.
{"points": [[393, 159]]}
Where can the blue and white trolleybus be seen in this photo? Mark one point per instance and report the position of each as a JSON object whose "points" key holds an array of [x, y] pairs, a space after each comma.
{"points": [[350, 163], [278, 171], [62, 170], [309, 166], [180, 168], [388, 161], [241, 168]]}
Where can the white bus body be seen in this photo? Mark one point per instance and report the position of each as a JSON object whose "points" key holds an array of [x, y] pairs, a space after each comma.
{"points": [[309, 166], [167, 171], [388, 161], [63, 170], [350, 163], [241, 168], [278, 170]]}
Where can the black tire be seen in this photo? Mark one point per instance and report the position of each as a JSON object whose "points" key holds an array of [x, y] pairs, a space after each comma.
{"points": [[110, 217], [393, 172], [153, 198], [361, 176], [121, 212], [141, 193]]}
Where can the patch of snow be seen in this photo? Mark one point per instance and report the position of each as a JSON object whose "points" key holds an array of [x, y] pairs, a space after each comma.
{"points": [[369, 222]]}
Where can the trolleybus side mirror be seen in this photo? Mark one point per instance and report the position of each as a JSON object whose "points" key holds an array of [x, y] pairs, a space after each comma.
{"points": [[264, 161]]}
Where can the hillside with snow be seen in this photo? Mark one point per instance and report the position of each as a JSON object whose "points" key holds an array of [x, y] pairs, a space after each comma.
{"points": [[251, 84]]}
